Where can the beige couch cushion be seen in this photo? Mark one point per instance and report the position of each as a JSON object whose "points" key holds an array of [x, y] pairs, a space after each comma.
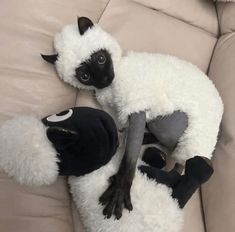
{"points": [[199, 14], [141, 28], [226, 14], [218, 193], [27, 209], [28, 85]]}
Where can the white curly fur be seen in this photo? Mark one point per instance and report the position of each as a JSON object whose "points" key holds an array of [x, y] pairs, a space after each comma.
{"points": [[154, 210], [25, 152], [161, 84], [28, 157]]}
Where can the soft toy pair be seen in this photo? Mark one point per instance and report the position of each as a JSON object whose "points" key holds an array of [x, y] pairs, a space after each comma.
{"points": [[80, 142], [173, 99]]}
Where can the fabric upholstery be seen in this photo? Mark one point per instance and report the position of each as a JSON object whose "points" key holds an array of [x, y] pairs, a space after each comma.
{"points": [[28, 85], [27, 29], [226, 15], [187, 11], [26, 209], [218, 192], [128, 20]]}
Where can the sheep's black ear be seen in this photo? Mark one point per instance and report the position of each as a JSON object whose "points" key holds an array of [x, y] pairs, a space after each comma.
{"points": [[84, 24], [50, 58]]}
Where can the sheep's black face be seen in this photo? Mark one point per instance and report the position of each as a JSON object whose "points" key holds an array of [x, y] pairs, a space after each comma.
{"points": [[85, 139], [97, 70]]}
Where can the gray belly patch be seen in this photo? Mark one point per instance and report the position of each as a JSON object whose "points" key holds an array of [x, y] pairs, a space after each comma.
{"points": [[169, 128]]}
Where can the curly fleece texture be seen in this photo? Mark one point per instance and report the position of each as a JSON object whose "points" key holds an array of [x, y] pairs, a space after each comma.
{"points": [[161, 84], [154, 210], [25, 152], [27, 155]]}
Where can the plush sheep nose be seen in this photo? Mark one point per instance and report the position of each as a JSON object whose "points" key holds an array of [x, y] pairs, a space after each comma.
{"points": [[105, 79]]}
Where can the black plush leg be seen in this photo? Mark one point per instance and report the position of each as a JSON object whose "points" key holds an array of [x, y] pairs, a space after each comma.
{"points": [[149, 138], [154, 157], [170, 178], [197, 171]]}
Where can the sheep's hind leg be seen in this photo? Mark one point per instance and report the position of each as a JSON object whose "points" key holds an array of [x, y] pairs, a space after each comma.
{"points": [[170, 178], [197, 171], [154, 157]]}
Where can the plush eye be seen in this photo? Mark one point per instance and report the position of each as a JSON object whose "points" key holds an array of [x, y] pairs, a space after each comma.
{"points": [[101, 59], [61, 116], [84, 77]]}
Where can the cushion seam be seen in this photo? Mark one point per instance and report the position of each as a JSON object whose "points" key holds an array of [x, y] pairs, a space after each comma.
{"points": [[71, 207], [202, 210], [104, 10], [179, 19]]}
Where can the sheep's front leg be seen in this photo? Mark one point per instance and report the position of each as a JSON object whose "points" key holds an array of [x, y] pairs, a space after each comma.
{"points": [[117, 196]]}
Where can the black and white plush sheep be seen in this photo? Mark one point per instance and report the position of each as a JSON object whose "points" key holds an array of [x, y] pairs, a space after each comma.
{"points": [[74, 142], [179, 104], [80, 143]]}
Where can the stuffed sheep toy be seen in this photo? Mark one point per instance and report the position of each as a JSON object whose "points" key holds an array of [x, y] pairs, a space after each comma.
{"points": [[176, 101], [75, 142], [80, 142]]}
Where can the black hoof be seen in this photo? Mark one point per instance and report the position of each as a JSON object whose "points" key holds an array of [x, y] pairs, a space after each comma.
{"points": [[200, 168], [154, 157]]}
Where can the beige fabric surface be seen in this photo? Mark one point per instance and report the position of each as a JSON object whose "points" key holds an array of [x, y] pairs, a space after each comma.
{"points": [[29, 85], [218, 197], [226, 15], [188, 12], [142, 29], [36, 209]]}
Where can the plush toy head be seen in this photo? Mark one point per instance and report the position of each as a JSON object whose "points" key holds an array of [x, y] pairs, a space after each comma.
{"points": [[85, 55], [74, 142], [84, 138]]}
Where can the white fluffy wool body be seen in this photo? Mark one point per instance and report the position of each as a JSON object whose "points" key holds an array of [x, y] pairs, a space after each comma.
{"points": [[154, 210], [155, 83], [25, 152]]}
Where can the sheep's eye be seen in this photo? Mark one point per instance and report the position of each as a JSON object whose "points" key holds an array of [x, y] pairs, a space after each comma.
{"points": [[101, 59], [61, 116], [85, 77]]}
